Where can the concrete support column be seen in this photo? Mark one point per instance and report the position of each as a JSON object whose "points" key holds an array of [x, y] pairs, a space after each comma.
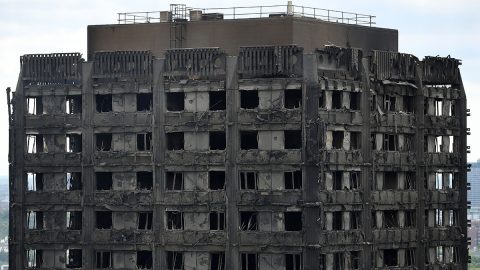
{"points": [[328, 181], [446, 107], [379, 219], [379, 258], [401, 176], [346, 140], [346, 99], [347, 260], [431, 181], [346, 180], [431, 218], [446, 218], [430, 106], [379, 179], [379, 141], [401, 257], [346, 221], [446, 144], [447, 255], [329, 262], [401, 218], [328, 99], [328, 221]]}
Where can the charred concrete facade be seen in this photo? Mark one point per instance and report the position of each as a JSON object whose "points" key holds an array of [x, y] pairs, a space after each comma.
{"points": [[273, 157]]}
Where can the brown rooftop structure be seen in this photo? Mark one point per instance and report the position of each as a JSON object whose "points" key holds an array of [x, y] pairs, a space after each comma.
{"points": [[248, 138]]}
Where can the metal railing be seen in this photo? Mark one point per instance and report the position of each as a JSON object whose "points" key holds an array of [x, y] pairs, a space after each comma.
{"points": [[232, 13]]}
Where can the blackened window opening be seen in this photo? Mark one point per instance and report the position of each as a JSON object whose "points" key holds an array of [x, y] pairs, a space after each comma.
{"points": [[74, 143], [336, 100], [103, 220], [144, 102], [355, 100], [74, 181], [103, 259], [145, 220], [144, 259], [104, 141], [293, 261], [175, 101], [217, 261], [104, 103], [249, 99], [355, 140], [175, 141], [248, 221], [337, 139], [293, 139], [248, 140], [248, 180], [390, 257], [74, 220], [293, 99], [249, 261], [103, 180], [216, 180], [293, 180], [174, 180], [144, 141], [34, 181], [74, 258], [293, 221], [34, 105], [217, 221], [73, 104], [174, 220], [217, 100], [144, 180], [174, 260], [217, 140]]}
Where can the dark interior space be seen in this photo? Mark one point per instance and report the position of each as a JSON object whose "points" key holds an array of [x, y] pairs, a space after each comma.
{"points": [[218, 140], [293, 180], [248, 140], [73, 104], [103, 220], [217, 100], [248, 180], [174, 180], [103, 141], [293, 221], [216, 180], [293, 139], [337, 100], [248, 221], [144, 141], [337, 140], [175, 141], [144, 259], [104, 180], [104, 103], [144, 102], [74, 181], [175, 101], [293, 99], [144, 180], [174, 220], [249, 99]]}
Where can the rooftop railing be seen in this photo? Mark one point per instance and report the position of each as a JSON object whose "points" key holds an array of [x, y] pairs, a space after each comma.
{"points": [[232, 13]]}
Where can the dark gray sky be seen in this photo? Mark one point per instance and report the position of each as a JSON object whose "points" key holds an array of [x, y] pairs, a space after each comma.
{"points": [[426, 27]]}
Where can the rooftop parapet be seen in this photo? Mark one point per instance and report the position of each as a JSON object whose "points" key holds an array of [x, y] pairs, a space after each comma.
{"points": [[233, 13], [55, 68]]}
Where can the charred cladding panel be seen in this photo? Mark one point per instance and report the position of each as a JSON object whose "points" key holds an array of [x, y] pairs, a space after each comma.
{"points": [[276, 158]]}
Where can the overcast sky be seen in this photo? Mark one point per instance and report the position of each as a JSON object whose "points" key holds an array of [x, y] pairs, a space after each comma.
{"points": [[426, 27]]}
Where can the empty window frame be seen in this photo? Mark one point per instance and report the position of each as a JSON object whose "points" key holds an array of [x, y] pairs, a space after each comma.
{"points": [[293, 180], [144, 220], [217, 140], [249, 99], [439, 219], [175, 141], [355, 140], [248, 180], [217, 100], [73, 181], [103, 259], [174, 260], [408, 104], [217, 261], [337, 180], [355, 180], [293, 221], [174, 220], [390, 142], [321, 100], [293, 139], [410, 181], [34, 181], [389, 103], [103, 180], [293, 99], [175, 101], [103, 141], [355, 257], [248, 140], [34, 258], [390, 257], [35, 220], [144, 102], [390, 218], [355, 100], [144, 259], [410, 257], [337, 221], [216, 180], [249, 261], [217, 221], [73, 104], [74, 258], [410, 218], [144, 180], [355, 220], [293, 262], [34, 105], [337, 139], [35, 143], [74, 220], [174, 181], [73, 143], [104, 103], [103, 220], [338, 261], [248, 221], [337, 100], [390, 181], [144, 141]]}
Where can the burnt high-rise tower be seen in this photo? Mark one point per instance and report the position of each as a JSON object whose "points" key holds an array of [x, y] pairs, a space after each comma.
{"points": [[239, 139]]}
